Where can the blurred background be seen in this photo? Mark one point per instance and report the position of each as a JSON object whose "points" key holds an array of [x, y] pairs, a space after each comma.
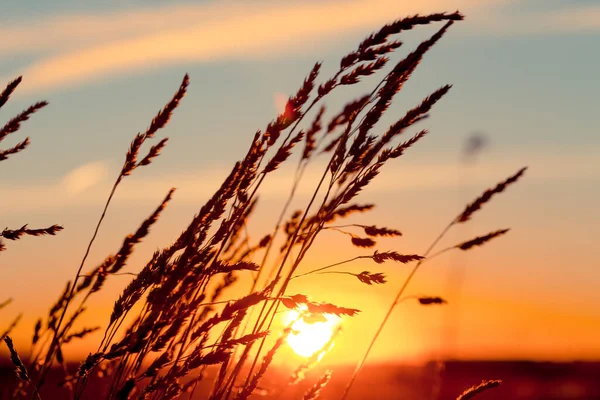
{"points": [[525, 309]]}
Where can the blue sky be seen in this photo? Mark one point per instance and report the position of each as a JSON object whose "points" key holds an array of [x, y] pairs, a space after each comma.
{"points": [[523, 86], [524, 73]]}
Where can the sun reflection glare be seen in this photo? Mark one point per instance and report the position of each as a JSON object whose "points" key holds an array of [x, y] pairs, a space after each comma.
{"points": [[309, 337]]}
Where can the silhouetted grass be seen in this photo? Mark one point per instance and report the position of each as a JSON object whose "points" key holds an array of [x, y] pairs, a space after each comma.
{"points": [[172, 321]]}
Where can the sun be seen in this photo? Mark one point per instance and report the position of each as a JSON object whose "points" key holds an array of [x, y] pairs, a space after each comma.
{"points": [[308, 338]]}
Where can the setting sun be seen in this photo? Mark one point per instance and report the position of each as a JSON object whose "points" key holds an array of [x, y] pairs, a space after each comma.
{"points": [[308, 338]]}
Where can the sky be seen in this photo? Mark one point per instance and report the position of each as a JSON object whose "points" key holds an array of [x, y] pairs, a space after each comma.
{"points": [[524, 75]]}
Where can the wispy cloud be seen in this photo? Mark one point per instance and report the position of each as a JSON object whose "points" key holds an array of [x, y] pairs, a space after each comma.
{"points": [[568, 19], [84, 48], [197, 186], [85, 177], [69, 50]]}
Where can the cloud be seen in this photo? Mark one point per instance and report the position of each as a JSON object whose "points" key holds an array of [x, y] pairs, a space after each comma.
{"points": [[196, 187], [84, 177], [82, 48], [581, 19], [575, 19], [70, 50]]}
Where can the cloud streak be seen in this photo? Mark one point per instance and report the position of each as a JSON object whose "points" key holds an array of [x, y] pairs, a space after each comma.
{"points": [[196, 187], [85, 177], [575, 19], [85, 48], [71, 50]]}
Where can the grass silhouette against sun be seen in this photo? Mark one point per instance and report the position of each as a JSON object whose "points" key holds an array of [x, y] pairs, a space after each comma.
{"points": [[172, 324]]}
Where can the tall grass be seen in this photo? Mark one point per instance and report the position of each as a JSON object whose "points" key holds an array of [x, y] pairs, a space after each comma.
{"points": [[173, 321]]}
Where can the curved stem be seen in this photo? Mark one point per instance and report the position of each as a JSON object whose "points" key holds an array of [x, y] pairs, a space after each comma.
{"points": [[344, 226], [329, 266], [331, 228], [71, 294], [391, 309], [336, 272], [439, 253], [414, 296]]}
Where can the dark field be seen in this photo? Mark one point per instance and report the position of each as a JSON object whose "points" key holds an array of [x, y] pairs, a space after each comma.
{"points": [[521, 380]]}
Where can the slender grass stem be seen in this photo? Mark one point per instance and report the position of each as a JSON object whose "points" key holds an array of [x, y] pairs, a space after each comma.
{"points": [[391, 309]]}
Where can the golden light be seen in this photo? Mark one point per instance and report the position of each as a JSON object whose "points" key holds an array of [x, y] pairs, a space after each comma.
{"points": [[280, 101], [308, 338]]}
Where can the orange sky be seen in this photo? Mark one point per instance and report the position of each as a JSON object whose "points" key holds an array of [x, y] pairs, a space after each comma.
{"points": [[531, 294], [517, 299]]}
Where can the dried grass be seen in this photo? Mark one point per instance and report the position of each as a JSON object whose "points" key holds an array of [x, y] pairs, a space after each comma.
{"points": [[173, 319], [475, 390]]}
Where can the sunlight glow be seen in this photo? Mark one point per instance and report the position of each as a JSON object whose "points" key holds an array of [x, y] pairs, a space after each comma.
{"points": [[308, 338]]}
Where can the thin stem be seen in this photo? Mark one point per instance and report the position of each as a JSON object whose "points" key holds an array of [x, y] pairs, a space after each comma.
{"points": [[337, 227], [414, 296], [259, 323], [36, 393], [305, 246], [340, 231], [391, 309], [439, 253], [329, 266], [55, 338], [113, 274], [336, 272]]}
